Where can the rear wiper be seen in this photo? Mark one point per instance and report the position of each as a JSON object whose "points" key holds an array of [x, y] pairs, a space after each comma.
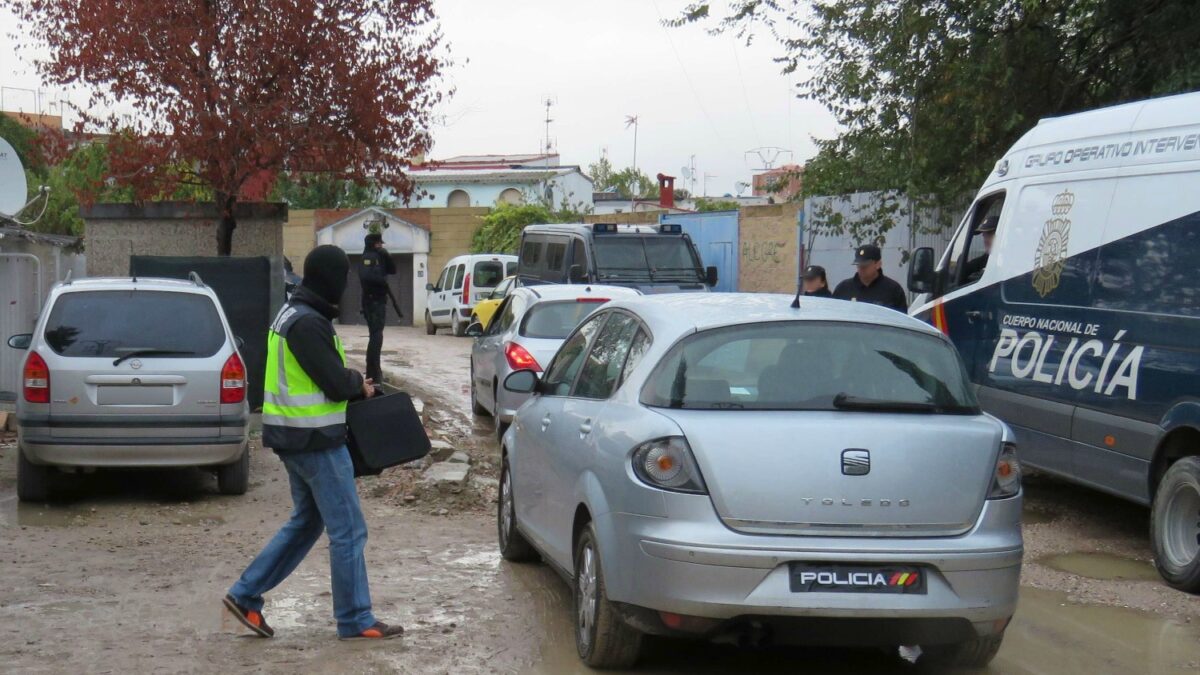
{"points": [[844, 401], [149, 351]]}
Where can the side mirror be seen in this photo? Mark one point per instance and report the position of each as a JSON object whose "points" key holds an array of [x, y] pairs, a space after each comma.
{"points": [[920, 271], [474, 330], [239, 342], [21, 341], [710, 275], [521, 382], [578, 275], [430, 288]]}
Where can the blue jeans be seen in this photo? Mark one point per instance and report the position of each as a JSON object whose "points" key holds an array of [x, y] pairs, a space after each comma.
{"points": [[324, 499]]}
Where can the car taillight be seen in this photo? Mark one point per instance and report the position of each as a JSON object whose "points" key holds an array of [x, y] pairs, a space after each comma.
{"points": [[36, 379], [1007, 480], [519, 358], [233, 380], [467, 289], [668, 464], [591, 299]]}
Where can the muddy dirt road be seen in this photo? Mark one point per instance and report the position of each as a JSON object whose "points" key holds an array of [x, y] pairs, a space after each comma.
{"points": [[127, 575]]}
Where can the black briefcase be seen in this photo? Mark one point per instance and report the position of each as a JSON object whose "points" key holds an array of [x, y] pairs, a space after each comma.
{"points": [[385, 431]]}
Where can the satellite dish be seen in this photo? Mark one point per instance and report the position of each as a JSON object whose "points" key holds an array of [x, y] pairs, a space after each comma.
{"points": [[741, 186], [13, 189], [686, 173]]}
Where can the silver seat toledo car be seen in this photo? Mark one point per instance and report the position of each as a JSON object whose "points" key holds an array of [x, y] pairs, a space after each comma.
{"points": [[131, 373], [727, 466]]}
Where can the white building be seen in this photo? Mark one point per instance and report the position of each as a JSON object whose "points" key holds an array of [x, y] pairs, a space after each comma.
{"points": [[486, 180]]}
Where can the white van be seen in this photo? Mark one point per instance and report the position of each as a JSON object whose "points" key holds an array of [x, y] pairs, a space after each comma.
{"points": [[1080, 322], [465, 280]]}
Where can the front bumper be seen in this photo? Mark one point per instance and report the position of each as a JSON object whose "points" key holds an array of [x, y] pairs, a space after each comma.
{"points": [[715, 573]]}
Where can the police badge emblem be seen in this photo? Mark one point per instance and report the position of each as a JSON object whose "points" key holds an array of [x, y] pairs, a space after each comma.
{"points": [[1051, 255]]}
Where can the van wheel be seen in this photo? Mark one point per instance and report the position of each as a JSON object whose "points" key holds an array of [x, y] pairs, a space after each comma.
{"points": [[460, 329], [602, 639], [430, 329], [234, 479], [976, 653], [514, 547], [33, 481], [1175, 525]]}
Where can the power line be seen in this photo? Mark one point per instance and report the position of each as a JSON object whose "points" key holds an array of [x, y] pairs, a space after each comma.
{"points": [[745, 94], [686, 77]]}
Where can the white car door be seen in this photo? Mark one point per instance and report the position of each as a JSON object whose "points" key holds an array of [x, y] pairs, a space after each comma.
{"points": [[437, 298]]}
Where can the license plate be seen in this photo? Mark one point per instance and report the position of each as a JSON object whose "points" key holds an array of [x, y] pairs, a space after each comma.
{"points": [[817, 578]]}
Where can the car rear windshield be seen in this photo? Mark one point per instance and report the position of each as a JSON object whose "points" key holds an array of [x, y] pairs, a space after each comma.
{"points": [[555, 320], [812, 366], [115, 323], [487, 274], [655, 257]]}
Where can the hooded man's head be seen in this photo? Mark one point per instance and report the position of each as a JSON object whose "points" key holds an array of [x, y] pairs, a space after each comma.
{"points": [[325, 271], [372, 240]]}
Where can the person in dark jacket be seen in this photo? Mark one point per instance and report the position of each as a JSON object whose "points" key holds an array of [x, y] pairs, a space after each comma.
{"points": [[869, 283], [377, 265], [815, 283], [304, 421]]}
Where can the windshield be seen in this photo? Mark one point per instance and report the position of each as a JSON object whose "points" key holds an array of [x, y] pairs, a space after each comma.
{"points": [[652, 257], [812, 366], [556, 320], [118, 323], [487, 274]]}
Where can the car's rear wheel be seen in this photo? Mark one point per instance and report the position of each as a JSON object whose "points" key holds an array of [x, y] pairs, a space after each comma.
{"points": [[975, 653], [475, 405], [602, 639], [513, 545], [1175, 525], [430, 329], [460, 329], [234, 479], [34, 483]]}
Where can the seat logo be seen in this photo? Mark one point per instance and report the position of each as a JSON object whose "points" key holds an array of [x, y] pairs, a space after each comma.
{"points": [[1051, 255], [856, 462]]}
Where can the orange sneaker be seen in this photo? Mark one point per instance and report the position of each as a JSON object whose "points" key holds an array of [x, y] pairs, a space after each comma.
{"points": [[249, 618], [380, 631]]}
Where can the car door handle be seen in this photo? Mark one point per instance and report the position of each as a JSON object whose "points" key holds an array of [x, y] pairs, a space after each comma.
{"points": [[585, 428], [974, 314]]}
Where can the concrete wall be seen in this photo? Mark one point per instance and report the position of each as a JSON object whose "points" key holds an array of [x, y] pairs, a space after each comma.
{"points": [[114, 232], [627, 218], [299, 236], [769, 255]]}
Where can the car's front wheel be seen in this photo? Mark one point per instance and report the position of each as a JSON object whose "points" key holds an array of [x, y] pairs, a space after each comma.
{"points": [[234, 478], [1175, 525], [460, 329], [514, 546], [33, 481], [602, 639], [975, 653]]}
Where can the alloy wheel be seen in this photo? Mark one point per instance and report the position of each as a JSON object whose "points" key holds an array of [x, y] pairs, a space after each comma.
{"points": [[1181, 540], [506, 508], [585, 596]]}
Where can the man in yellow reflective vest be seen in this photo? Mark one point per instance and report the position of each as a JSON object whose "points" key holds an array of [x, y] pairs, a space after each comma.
{"points": [[304, 422]]}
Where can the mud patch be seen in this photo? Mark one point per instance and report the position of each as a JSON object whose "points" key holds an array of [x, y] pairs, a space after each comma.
{"points": [[1032, 517], [1103, 566]]}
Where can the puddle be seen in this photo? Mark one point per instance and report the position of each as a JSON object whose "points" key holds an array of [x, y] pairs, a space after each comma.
{"points": [[1048, 636], [16, 514], [1102, 566]]}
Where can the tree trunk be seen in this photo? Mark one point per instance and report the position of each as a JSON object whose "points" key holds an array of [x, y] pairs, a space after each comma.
{"points": [[227, 224]]}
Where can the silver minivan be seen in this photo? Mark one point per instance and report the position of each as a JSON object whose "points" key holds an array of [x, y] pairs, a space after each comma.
{"points": [[131, 373]]}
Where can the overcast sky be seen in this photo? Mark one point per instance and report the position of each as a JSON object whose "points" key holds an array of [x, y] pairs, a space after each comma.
{"points": [[694, 94]]}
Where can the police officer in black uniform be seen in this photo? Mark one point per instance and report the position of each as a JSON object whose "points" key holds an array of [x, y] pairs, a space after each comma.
{"points": [[975, 267], [815, 283], [376, 266], [869, 283]]}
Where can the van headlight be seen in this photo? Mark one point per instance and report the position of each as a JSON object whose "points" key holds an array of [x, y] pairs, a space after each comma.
{"points": [[1006, 482], [668, 464]]}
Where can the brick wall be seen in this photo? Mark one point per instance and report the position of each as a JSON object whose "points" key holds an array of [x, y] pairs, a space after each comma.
{"points": [[451, 230], [299, 236], [626, 218], [769, 249]]}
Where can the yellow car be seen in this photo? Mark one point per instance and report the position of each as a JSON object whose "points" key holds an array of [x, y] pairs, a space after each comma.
{"points": [[484, 309]]}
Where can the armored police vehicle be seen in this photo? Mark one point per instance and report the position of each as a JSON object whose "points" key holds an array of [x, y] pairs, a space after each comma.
{"points": [[1072, 291]]}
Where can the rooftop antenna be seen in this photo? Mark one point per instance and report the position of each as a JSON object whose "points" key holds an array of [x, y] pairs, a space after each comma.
{"points": [[632, 121], [689, 175], [741, 186], [768, 156], [549, 147]]}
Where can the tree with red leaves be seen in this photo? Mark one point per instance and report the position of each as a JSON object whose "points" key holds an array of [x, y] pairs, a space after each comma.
{"points": [[228, 93]]}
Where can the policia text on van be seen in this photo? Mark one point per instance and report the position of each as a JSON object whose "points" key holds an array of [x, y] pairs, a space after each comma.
{"points": [[650, 258], [1071, 292]]}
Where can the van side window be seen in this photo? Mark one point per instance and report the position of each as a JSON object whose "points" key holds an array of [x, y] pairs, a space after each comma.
{"points": [[441, 282], [579, 255], [459, 273], [531, 255], [972, 247], [556, 256]]}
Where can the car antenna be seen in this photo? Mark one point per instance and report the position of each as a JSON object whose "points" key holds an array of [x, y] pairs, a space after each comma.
{"points": [[796, 301]]}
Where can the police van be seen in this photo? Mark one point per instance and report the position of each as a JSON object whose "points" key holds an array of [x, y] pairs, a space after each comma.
{"points": [[649, 258], [1072, 290]]}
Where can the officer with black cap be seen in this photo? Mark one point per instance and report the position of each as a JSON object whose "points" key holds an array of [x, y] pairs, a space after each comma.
{"points": [[376, 266], [815, 283], [974, 267], [869, 284]]}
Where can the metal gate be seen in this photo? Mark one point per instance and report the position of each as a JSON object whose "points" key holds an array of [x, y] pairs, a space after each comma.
{"points": [[20, 301], [715, 234]]}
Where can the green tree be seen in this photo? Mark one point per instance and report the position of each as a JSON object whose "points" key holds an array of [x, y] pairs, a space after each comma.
{"points": [[628, 182], [931, 93], [326, 191], [501, 228], [25, 141], [714, 204]]}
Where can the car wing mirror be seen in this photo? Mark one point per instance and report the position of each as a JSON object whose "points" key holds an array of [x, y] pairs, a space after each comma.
{"points": [[430, 287], [522, 382], [475, 330], [920, 270], [578, 275], [21, 341], [711, 275]]}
